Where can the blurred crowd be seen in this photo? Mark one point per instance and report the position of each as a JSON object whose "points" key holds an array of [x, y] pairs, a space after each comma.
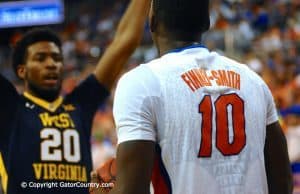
{"points": [[263, 34]]}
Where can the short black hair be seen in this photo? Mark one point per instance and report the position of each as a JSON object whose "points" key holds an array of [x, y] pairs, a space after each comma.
{"points": [[185, 19], [33, 36]]}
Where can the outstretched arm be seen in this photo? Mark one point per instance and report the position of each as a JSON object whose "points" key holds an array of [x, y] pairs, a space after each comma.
{"points": [[277, 162], [127, 38], [8, 105]]}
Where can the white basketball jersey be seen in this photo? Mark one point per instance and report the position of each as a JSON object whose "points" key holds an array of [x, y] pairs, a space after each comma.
{"points": [[208, 115]]}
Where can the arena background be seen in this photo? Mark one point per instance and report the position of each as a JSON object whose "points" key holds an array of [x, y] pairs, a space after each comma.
{"points": [[264, 34]]}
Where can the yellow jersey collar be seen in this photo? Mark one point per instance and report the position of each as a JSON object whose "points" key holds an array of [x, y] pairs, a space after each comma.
{"points": [[50, 106]]}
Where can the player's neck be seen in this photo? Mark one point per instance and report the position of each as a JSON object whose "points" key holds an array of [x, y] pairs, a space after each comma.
{"points": [[165, 45], [47, 95]]}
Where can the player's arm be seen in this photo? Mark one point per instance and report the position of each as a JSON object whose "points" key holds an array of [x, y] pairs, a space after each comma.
{"points": [[135, 104], [8, 103], [8, 99], [135, 116], [277, 162], [134, 164], [127, 38]]}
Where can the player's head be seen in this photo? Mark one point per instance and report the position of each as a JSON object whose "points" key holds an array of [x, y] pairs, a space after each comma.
{"points": [[181, 20], [37, 59]]}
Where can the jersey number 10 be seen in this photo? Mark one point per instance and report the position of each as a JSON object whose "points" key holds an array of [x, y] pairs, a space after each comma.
{"points": [[223, 143]]}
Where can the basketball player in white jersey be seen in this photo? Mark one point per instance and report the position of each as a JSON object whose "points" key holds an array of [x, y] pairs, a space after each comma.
{"points": [[212, 120]]}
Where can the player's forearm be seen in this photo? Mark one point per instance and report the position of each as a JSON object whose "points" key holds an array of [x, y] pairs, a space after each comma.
{"points": [[134, 164], [131, 24], [8, 91], [277, 163], [127, 38], [279, 179], [280, 183]]}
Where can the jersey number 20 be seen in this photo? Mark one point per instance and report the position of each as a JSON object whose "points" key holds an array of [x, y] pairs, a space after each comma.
{"points": [[57, 145], [223, 143]]}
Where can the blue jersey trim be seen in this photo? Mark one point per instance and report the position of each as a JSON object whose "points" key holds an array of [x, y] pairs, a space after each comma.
{"points": [[295, 167], [187, 47]]}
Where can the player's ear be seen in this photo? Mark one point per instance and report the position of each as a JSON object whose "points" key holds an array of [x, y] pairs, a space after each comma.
{"points": [[21, 71]]}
